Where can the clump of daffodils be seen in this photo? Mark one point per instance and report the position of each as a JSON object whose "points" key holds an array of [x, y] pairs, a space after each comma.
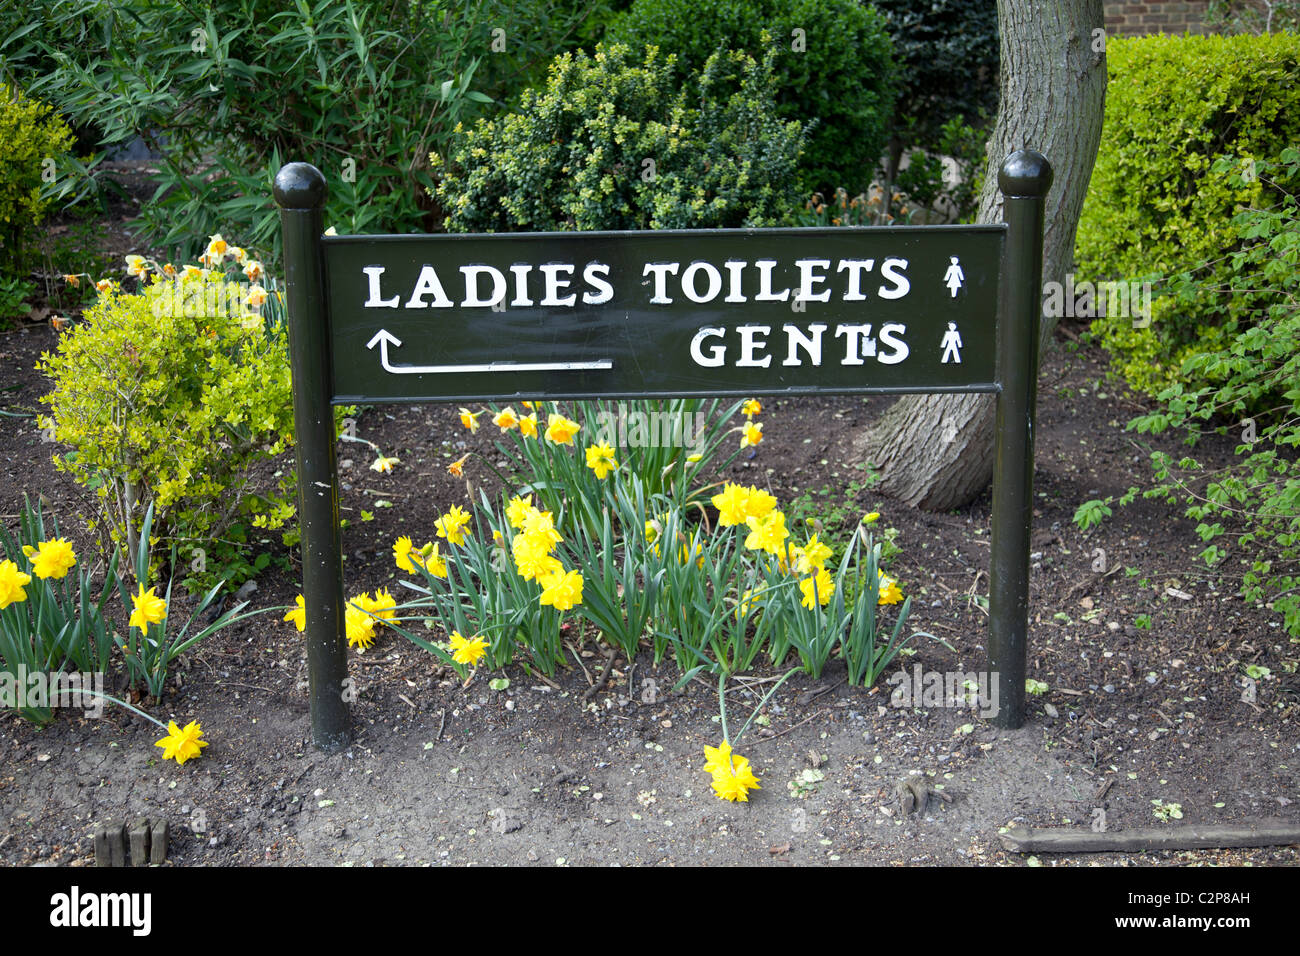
{"points": [[533, 549], [230, 264]]}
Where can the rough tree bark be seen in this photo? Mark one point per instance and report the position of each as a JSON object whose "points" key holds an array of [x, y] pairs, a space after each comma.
{"points": [[936, 451]]}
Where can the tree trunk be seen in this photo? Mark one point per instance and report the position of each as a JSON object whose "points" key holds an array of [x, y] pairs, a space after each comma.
{"points": [[1053, 89]]}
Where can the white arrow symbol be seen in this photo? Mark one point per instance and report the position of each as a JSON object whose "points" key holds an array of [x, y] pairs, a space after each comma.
{"points": [[383, 337]]}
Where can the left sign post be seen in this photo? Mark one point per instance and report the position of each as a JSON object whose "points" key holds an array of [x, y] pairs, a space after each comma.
{"points": [[300, 193]]}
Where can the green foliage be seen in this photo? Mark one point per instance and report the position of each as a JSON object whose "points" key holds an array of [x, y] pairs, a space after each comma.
{"points": [[34, 140], [58, 625], [947, 53], [227, 91], [833, 64], [1092, 513], [147, 650], [1249, 509], [167, 398], [923, 182], [1161, 206], [14, 296], [611, 143]]}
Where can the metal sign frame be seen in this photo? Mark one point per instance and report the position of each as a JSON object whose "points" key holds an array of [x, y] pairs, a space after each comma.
{"points": [[618, 351]]}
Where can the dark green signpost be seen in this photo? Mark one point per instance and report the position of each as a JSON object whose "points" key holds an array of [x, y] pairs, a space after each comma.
{"points": [[744, 312]]}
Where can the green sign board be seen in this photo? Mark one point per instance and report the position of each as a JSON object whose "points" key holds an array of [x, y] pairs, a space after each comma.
{"points": [[734, 312], [382, 319]]}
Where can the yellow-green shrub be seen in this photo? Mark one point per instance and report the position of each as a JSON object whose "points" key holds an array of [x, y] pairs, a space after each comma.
{"points": [[31, 133], [1155, 208], [168, 397]]}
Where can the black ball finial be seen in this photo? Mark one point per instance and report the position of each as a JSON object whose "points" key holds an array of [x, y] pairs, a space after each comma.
{"points": [[1027, 173], [299, 186]]}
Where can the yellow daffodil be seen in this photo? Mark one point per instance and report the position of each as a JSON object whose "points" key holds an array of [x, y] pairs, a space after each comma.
{"points": [[457, 467], [767, 533], [169, 271], [528, 425], [53, 559], [747, 604], [470, 419], [518, 510], [541, 524], [104, 286], [717, 758], [731, 503], [751, 408], [753, 435], [149, 609], [889, 590], [216, 250], [871, 518], [360, 626], [253, 270], [12, 582], [466, 651], [136, 266], [256, 296], [402, 552], [734, 779], [600, 459], [812, 556], [74, 281], [760, 503], [381, 605], [533, 559], [239, 254], [560, 429], [193, 272], [506, 420], [452, 525], [562, 590], [181, 745], [433, 561], [384, 465], [298, 615], [818, 589]]}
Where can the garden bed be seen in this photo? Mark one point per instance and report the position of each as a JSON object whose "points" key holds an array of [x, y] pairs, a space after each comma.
{"points": [[445, 773]]}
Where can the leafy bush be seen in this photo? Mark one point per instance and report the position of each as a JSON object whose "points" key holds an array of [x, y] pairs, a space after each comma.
{"points": [[1256, 498], [168, 397], [948, 55], [1174, 106], [364, 89], [611, 143], [833, 64], [32, 135]]}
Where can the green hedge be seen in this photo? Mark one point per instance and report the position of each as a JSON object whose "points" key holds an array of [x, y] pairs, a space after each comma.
{"points": [[33, 139], [1174, 105], [615, 142], [834, 64]]}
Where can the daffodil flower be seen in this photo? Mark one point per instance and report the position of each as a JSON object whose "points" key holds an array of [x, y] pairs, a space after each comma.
{"points": [[182, 745]]}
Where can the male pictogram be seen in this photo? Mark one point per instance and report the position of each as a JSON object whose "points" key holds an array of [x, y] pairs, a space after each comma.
{"points": [[951, 345]]}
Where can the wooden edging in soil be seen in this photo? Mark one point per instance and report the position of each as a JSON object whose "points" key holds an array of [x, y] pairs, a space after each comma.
{"points": [[1190, 837]]}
